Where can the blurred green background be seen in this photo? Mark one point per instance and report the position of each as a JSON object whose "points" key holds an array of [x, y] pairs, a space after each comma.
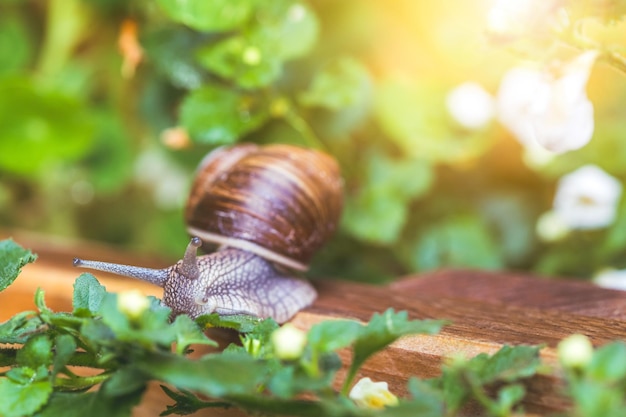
{"points": [[106, 107]]}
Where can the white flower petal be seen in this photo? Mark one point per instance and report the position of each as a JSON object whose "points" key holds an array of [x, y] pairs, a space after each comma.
{"points": [[470, 105], [611, 278]]}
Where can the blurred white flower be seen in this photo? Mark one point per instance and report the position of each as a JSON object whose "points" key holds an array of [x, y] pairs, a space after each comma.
{"points": [[288, 342], [587, 198], [575, 351], [551, 227], [374, 395], [614, 279], [470, 105], [510, 19], [553, 111]]}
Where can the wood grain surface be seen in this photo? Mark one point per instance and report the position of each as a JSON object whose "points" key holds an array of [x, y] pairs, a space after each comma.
{"points": [[487, 310]]}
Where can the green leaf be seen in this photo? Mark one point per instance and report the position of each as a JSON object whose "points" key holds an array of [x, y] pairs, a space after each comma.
{"points": [[246, 60], [379, 210], [64, 349], [375, 215], [332, 335], [123, 382], [88, 294], [36, 352], [216, 115], [290, 27], [14, 32], [609, 363], [415, 118], [187, 333], [14, 257], [209, 15], [40, 125], [20, 327], [384, 329], [509, 396], [187, 402], [93, 404], [215, 375], [341, 84], [240, 323], [508, 364], [461, 241], [425, 401], [169, 50], [20, 400]]}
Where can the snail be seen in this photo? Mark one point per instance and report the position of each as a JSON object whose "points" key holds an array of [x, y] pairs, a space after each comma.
{"points": [[267, 209]]}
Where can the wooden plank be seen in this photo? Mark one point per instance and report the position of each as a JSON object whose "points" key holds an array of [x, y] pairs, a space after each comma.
{"points": [[487, 311]]}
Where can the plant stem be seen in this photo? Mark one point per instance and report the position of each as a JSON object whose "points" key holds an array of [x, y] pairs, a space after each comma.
{"points": [[81, 382], [298, 123]]}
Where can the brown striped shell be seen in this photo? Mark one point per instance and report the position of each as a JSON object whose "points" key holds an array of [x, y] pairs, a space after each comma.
{"points": [[281, 202]]}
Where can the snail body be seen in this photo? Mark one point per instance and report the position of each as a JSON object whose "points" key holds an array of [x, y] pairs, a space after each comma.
{"points": [[268, 209]]}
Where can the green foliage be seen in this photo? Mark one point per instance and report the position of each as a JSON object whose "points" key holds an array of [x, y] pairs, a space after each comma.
{"points": [[217, 116], [126, 351], [85, 99]]}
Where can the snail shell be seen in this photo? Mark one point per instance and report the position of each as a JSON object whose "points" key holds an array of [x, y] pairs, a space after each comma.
{"points": [[280, 202]]}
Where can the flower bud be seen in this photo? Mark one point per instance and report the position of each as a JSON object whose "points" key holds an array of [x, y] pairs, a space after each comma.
{"points": [[288, 342], [575, 351], [132, 303], [374, 395]]}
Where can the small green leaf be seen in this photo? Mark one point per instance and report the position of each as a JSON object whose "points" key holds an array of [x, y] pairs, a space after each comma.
{"points": [[209, 15], [375, 215], [609, 362], [215, 375], [290, 28], [246, 60], [508, 364], [188, 403], [241, 323], [36, 352], [332, 335], [460, 241], [88, 293], [14, 257], [382, 330], [93, 404], [14, 31], [217, 115], [341, 84], [40, 125], [20, 400], [509, 396], [123, 382], [187, 333], [64, 349], [20, 327]]}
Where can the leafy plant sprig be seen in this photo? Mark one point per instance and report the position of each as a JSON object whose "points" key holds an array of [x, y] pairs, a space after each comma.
{"points": [[98, 359]]}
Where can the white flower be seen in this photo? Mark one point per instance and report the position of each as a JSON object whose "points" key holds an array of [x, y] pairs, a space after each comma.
{"points": [[611, 278], [288, 342], [369, 394], [470, 105], [575, 351], [587, 198], [538, 107], [132, 303]]}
